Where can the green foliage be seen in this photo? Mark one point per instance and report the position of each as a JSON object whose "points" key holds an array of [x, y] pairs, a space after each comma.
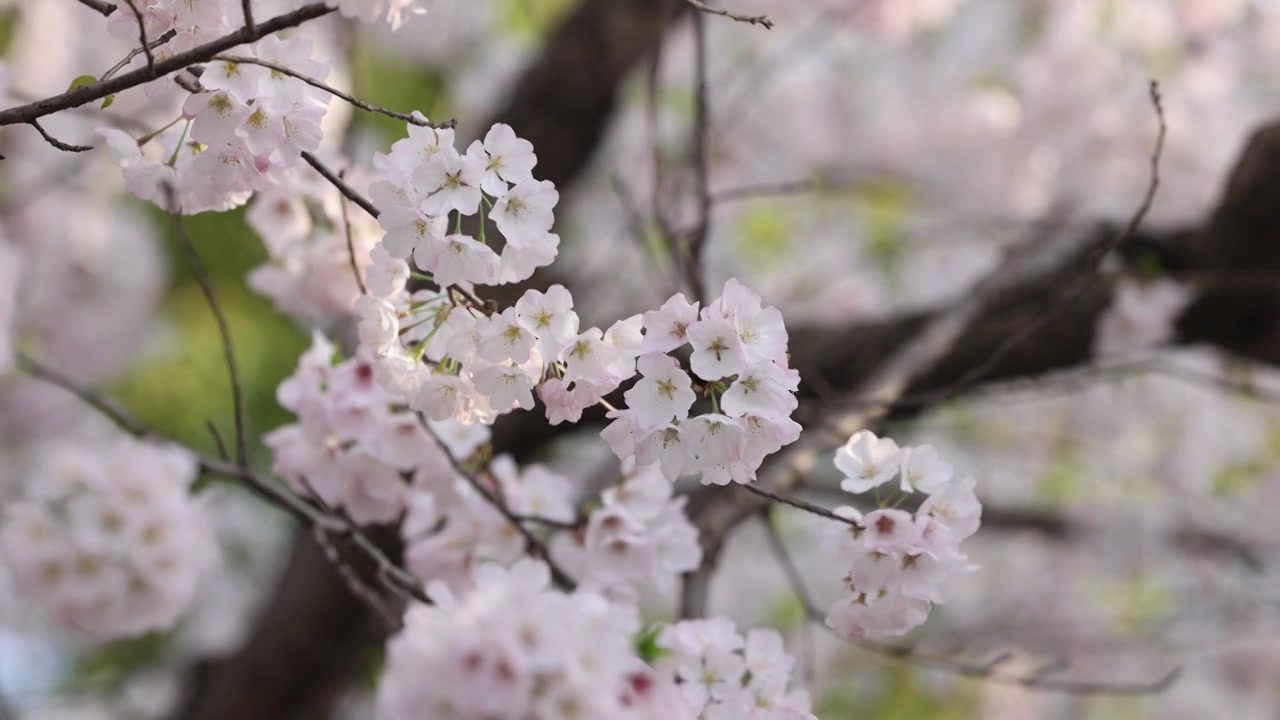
{"points": [[897, 695], [8, 25], [397, 83], [81, 82], [884, 208], [763, 234], [646, 644], [185, 386], [531, 18], [109, 666], [1139, 601]]}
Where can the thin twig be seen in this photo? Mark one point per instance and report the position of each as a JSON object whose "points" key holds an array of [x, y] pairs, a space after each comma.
{"points": [[351, 246], [533, 545], [988, 671], [166, 37], [101, 6], [697, 238], [751, 19], [271, 492], [65, 147], [1084, 282], [217, 440], [113, 412], [245, 6], [228, 348], [142, 36], [348, 191], [357, 102], [747, 192], [354, 583], [799, 504], [199, 54]]}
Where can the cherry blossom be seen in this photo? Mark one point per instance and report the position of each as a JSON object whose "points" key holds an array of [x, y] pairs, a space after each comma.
{"points": [[107, 539]]}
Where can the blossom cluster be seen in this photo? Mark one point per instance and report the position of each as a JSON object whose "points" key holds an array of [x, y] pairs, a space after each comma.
{"points": [[451, 527], [739, 352], [108, 539], [723, 676], [354, 446], [425, 183], [312, 246], [898, 563], [247, 124], [511, 648], [637, 538]]}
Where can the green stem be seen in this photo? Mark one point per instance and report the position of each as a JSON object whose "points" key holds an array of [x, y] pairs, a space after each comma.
{"points": [[153, 135], [173, 159], [421, 350]]}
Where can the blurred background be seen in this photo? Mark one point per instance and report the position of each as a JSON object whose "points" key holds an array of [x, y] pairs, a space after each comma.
{"points": [[871, 160]]}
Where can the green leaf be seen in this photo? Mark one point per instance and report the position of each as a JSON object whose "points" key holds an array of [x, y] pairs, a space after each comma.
{"points": [[82, 81], [646, 644], [107, 102]]}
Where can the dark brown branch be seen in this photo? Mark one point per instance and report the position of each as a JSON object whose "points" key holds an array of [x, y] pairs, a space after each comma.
{"points": [[166, 37], [352, 99], [199, 54], [533, 545], [798, 504], [347, 191], [142, 35], [351, 247], [697, 240], [99, 6], [113, 412], [224, 331], [761, 20], [247, 10], [65, 147]]}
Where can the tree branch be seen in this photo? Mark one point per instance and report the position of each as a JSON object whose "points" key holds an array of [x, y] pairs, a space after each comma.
{"points": [[55, 142], [202, 53], [352, 99], [750, 19], [99, 6]]}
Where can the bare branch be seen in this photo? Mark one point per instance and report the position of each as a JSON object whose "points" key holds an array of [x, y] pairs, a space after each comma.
{"points": [[142, 35], [697, 238], [228, 349], [199, 54], [166, 37], [751, 19], [1075, 291], [346, 190], [533, 545], [352, 99], [355, 584], [116, 414], [55, 142], [247, 9], [271, 492], [351, 247], [100, 6]]}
